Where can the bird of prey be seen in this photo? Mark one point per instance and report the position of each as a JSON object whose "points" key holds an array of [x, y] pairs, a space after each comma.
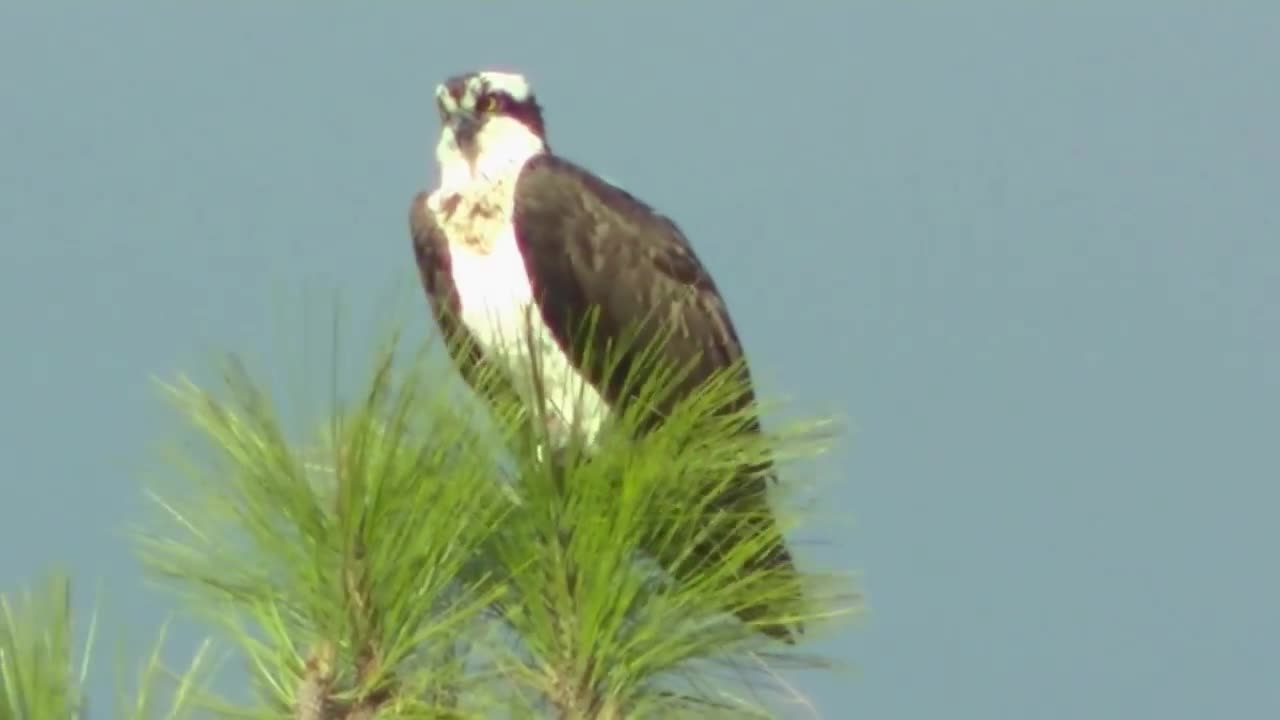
{"points": [[518, 245]]}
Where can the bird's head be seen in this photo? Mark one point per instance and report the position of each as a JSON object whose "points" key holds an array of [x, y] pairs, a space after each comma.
{"points": [[491, 123]]}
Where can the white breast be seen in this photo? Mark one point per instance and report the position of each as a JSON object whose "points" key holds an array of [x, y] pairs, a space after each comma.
{"points": [[498, 308]]}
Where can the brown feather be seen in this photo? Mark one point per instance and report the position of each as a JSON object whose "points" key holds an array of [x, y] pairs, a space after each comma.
{"points": [[588, 244]]}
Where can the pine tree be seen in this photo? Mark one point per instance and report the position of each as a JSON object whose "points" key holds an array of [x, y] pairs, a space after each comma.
{"points": [[420, 556]]}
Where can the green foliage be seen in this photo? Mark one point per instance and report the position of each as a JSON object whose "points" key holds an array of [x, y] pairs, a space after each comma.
{"points": [[38, 677], [440, 564], [603, 630], [422, 555], [37, 672], [353, 582]]}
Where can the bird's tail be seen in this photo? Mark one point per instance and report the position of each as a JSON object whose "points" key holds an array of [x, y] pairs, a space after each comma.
{"points": [[760, 528], [777, 558]]}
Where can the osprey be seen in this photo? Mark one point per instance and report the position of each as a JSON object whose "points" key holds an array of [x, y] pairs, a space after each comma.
{"points": [[518, 245]]}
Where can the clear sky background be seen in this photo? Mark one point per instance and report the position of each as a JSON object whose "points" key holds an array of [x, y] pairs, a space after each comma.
{"points": [[1030, 251]]}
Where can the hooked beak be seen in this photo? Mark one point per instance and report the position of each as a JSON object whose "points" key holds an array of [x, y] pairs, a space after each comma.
{"points": [[464, 126], [463, 123]]}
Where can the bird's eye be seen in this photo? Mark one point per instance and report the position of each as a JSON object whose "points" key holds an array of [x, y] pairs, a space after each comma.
{"points": [[490, 103]]}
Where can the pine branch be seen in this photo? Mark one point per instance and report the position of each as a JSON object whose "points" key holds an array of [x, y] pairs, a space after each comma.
{"points": [[436, 562]]}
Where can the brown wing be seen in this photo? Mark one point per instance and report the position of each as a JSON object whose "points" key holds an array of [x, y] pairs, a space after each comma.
{"points": [[591, 247]]}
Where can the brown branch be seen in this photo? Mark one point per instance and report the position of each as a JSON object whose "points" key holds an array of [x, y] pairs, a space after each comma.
{"points": [[312, 695], [576, 700]]}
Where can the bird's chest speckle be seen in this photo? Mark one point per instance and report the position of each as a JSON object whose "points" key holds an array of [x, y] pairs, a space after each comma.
{"points": [[497, 306]]}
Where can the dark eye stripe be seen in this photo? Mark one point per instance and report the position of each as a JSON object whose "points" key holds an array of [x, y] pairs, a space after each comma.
{"points": [[526, 111]]}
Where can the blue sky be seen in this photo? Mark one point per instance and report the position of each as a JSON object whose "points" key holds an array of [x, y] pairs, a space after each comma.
{"points": [[1029, 251]]}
